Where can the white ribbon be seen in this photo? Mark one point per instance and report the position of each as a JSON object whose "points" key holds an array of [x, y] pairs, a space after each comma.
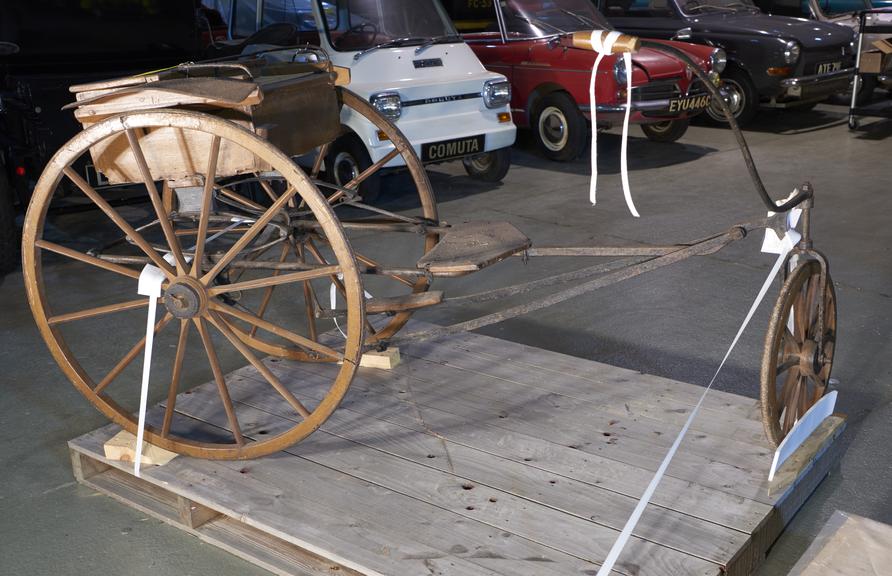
{"points": [[150, 280], [787, 244], [604, 46]]}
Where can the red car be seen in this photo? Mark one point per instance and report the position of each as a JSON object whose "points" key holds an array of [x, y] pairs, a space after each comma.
{"points": [[550, 83]]}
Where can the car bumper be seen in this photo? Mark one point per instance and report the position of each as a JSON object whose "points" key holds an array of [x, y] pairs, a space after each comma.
{"points": [[816, 87], [644, 112], [498, 134]]}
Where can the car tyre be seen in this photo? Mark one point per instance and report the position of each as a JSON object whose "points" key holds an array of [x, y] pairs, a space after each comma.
{"points": [[560, 128], [346, 160], [744, 99], [9, 245], [666, 131], [489, 166]]}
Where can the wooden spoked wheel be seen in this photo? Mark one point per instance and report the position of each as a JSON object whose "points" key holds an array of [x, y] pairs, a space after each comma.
{"points": [[381, 238], [87, 308], [798, 353]]}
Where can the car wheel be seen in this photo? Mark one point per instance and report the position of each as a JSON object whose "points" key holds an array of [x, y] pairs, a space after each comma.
{"points": [[560, 128], [742, 98], [489, 166], [667, 131], [9, 244], [346, 160]]}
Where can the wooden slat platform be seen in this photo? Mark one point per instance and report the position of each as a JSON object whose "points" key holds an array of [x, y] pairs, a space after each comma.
{"points": [[478, 456]]}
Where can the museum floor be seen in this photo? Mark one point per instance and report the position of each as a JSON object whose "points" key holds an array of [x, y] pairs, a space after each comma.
{"points": [[676, 322]]}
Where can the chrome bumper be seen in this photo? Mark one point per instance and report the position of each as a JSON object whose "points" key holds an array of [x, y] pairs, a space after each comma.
{"points": [[817, 85], [647, 106]]}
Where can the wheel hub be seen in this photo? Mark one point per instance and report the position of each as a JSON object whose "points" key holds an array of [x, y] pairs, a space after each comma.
{"points": [[810, 358], [186, 298]]}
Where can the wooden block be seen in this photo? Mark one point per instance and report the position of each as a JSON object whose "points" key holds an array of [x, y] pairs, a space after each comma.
{"points": [[123, 447], [386, 360]]}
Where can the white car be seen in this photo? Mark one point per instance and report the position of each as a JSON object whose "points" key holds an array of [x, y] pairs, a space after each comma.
{"points": [[407, 59]]}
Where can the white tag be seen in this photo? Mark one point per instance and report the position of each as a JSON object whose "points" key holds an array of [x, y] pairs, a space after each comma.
{"points": [[150, 280], [802, 430]]}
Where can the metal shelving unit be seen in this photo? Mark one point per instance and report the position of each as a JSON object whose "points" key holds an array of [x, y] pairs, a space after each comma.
{"points": [[878, 109]]}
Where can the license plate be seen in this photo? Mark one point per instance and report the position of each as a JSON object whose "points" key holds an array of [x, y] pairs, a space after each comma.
{"points": [[828, 67], [455, 148], [688, 103]]}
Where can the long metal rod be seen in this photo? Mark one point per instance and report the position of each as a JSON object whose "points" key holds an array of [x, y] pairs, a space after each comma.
{"points": [[705, 247]]}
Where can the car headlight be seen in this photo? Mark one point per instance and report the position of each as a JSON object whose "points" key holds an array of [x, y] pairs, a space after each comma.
{"points": [[619, 72], [791, 52], [389, 104], [718, 60], [496, 93]]}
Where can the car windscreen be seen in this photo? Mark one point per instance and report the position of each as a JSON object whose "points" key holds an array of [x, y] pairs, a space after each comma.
{"points": [[694, 7], [542, 18], [355, 25]]}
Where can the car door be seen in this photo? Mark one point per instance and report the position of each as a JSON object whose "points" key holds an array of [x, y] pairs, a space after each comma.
{"points": [[646, 18]]}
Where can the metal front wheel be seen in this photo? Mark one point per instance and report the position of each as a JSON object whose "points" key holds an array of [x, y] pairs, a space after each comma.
{"points": [[799, 349], [82, 286]]}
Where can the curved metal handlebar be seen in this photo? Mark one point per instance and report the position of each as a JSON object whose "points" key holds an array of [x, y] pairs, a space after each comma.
{"points": [[626, 43]]}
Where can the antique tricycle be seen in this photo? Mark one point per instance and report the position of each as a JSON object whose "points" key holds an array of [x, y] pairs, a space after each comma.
{"points": [[253, 250]]}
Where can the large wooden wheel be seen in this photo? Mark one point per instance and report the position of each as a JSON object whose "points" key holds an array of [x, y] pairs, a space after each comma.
{"points": [[76, 291], [799, 349], [386, 244]]}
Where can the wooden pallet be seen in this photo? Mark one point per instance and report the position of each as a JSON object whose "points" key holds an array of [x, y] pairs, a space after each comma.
{"points": [[477, 456]]}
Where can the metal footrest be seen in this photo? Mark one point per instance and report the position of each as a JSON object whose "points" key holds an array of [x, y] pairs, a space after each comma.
{"points": [[470, 247]]}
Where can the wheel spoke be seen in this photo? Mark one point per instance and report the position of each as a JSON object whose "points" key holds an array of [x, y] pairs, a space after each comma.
{"points": [[130, 356], [268, 293], [277, 330], [221, 325], [175, 378], [234, 196], [788, 362], [364, 175], [163, 217], [275, 280], [255, 229], [220, 380], [98, 311], [317, 164], [87, 259], [314, 250], [207, 199], [119, 221], [311, 304], [373, 264]]}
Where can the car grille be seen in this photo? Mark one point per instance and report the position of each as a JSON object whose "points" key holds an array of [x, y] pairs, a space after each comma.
{"points": [[658, 90], [811, 59]]}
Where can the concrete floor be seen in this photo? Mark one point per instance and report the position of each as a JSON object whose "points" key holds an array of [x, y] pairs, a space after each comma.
{"points": [[676, 322]]}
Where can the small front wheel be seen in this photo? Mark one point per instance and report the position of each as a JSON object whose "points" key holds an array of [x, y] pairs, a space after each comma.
{"points": [[561, 129], [489, 166], [667, 131], [799, 349]]}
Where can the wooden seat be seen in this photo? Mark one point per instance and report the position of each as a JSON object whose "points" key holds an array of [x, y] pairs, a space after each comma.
{"points": [[470, 247]]}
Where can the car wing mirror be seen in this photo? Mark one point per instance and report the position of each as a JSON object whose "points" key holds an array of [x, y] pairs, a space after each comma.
{"points": [[683, 34]]}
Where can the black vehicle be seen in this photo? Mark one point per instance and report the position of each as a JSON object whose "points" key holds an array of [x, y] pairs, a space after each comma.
{"points": [[772, 60], [48, 45]]}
